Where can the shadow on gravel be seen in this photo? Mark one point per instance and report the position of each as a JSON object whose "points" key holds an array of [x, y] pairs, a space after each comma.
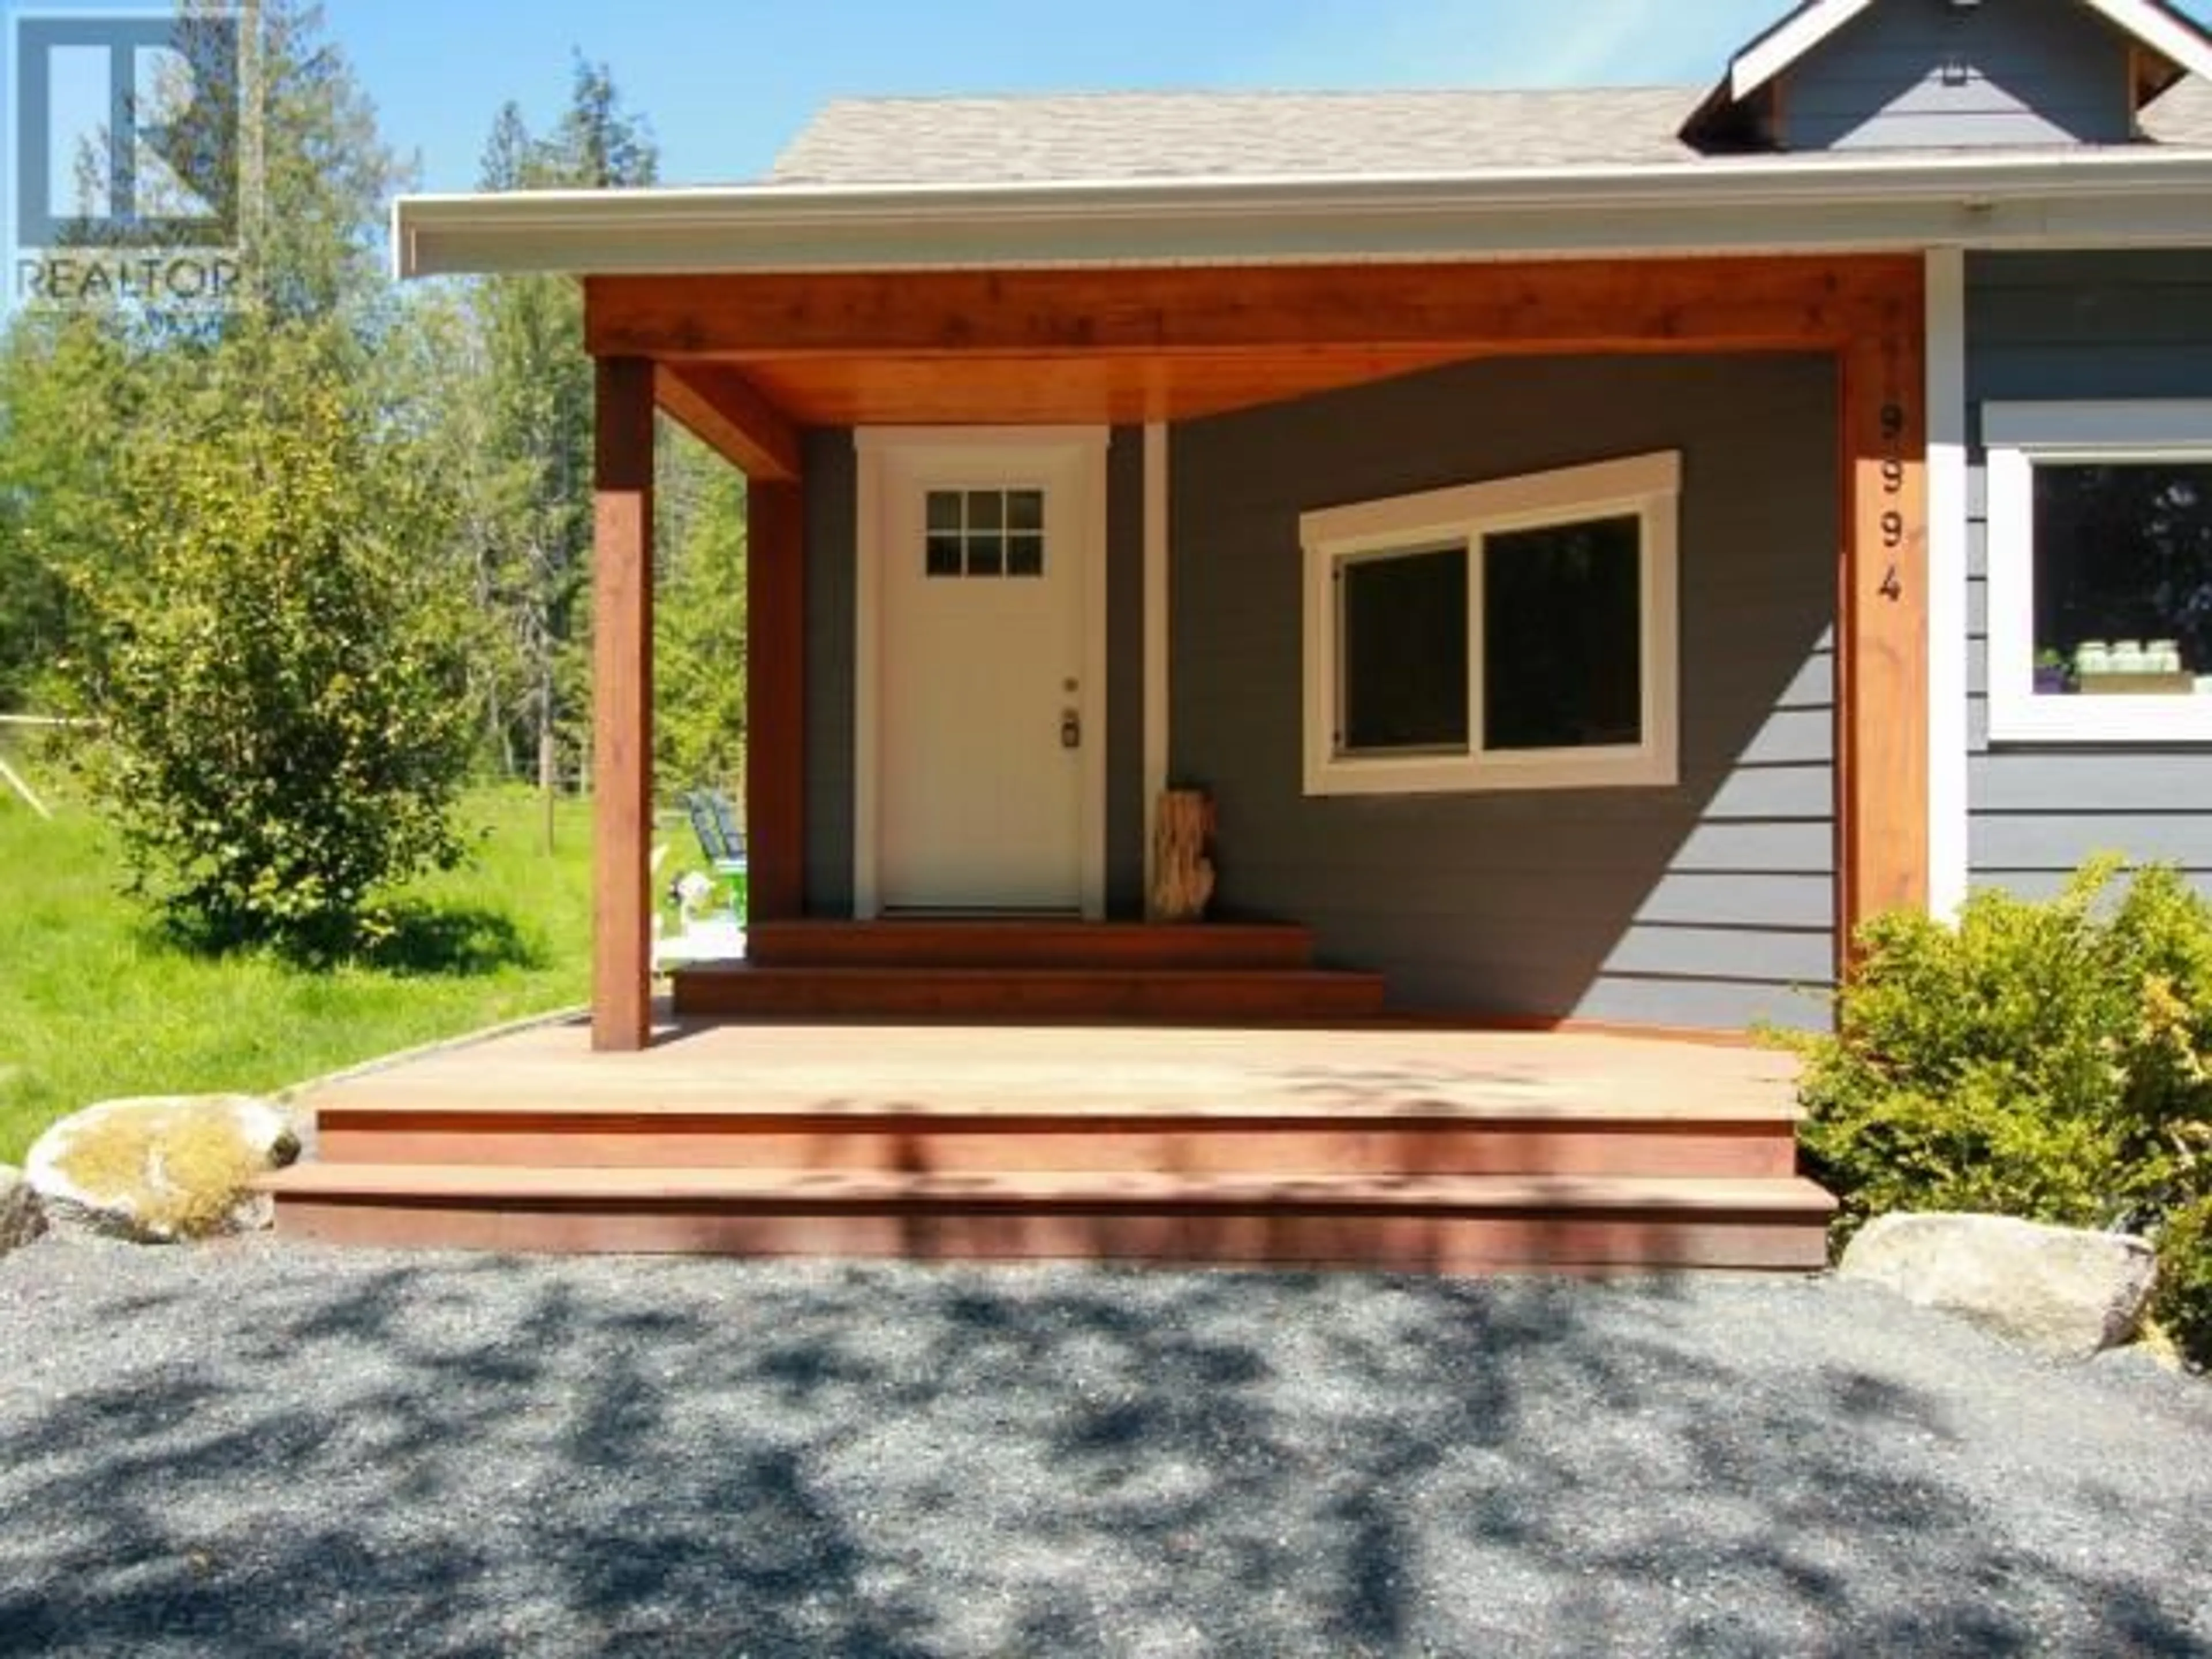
{"points": [[478, 1456]]}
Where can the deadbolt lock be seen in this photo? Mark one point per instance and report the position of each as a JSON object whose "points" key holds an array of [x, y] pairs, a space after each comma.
{"points": [[1070, 729]]}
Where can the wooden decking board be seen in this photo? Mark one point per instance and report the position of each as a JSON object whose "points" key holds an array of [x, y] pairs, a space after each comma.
{"points": [[1023, 1111], [1481, 1152], [1399, 1243], [1003, 943], [1196, 995], [1132, 1071], [1146, 1189]]}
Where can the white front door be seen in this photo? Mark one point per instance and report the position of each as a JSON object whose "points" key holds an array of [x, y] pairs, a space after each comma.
{"points": [[985, 573]]}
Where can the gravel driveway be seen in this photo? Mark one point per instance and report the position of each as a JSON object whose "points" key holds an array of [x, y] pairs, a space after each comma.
{"points": [[255, 1449]]}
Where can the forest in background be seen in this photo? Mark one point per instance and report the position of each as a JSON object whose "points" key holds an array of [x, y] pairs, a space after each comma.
{"points": [[462, 407]]}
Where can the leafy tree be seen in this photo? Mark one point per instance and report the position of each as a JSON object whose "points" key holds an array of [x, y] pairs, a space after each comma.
{"points": [[699, 616], [251, 515], [70, 400], [279, 676]]}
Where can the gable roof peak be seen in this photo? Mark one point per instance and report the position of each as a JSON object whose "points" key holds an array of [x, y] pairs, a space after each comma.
{"points": [[2172, 45], [2160, 26]]}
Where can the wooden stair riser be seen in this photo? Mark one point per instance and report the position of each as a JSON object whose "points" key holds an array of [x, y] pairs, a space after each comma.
{"points": [[1002, 1145], [1015, 945], [1277, 1236], [1229, 996]]}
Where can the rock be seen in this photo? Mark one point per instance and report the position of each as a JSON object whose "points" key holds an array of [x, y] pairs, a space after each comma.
{"points": [[2138, 1361], [164, 1168], [2065, 1291], [21, 1220]]}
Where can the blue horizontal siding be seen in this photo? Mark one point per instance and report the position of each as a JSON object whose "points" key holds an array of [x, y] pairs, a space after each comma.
{"points": [[1928, 74], [2060, 326], [1705, 904]]}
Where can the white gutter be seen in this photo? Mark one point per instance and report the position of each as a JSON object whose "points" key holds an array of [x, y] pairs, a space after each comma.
{"points": [[1753, 205]]}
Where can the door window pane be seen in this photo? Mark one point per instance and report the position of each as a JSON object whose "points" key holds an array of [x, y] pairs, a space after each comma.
{"points": [[2122, 580], [941, 556], [1563, 636], [986, 553], [1402, 657], [983, 532]]}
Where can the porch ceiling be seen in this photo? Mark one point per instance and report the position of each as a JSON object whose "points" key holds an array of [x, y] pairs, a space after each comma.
{"points": [[1153, 344], [1065, 387]]}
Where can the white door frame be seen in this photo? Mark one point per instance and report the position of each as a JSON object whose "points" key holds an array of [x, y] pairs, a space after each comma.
{"points": [[897, 457]]}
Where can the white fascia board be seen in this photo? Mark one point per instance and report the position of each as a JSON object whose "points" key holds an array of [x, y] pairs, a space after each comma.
{"points": [[2066, 198], [2160, 30], [1753, 68]]}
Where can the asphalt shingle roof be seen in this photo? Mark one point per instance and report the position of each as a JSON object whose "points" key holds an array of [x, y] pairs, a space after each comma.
{"points": [[1129, 135]]}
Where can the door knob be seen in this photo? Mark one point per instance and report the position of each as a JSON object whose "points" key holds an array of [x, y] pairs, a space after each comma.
{"points": [[1070, 729]]}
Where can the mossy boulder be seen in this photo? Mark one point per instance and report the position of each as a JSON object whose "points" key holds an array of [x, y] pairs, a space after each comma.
{"points": [[21, 1220], [164, 1168]]}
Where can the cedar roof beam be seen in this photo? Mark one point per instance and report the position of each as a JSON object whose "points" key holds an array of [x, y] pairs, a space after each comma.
{"points": [[725, 411], [1594, 305]]}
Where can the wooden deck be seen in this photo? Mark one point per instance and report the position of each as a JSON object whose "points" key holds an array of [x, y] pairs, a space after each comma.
{"points": [[1441, 1150]]}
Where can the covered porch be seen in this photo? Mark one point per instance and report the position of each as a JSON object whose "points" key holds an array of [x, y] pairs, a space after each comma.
{"points": [[1237, 1091], [756, 362]]}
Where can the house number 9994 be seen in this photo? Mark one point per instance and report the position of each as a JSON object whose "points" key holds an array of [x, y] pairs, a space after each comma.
{"points": [[1893, 486]]}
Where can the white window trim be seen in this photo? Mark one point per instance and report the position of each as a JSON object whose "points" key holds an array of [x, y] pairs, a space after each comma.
{"points": [[1948, 587], [1648, 486], [2017, 436]]}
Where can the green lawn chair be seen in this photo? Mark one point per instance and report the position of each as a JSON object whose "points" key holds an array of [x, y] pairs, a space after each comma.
{"points": [[715, 822]]}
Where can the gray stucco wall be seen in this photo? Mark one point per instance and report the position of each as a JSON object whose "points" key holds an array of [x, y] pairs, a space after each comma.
{"points": [[1924, 74], [1700, 905], [832, 588], [2048, 326]]}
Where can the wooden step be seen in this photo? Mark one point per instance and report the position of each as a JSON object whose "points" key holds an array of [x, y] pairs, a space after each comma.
{"points": [[1449, 1224], [1102, 1133], [1027, 943], [1175, 995]]}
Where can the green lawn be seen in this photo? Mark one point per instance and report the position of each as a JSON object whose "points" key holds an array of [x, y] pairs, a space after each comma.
{"points": [[95, 1003]]}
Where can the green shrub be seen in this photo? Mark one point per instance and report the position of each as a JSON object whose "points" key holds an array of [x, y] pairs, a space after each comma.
{"points": [[2184, 1291], [279, 669], [2046, 1060]]}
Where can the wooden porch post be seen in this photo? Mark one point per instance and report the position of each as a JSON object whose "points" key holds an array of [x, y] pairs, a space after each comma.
{"points": [[1882, 645], [775, 697], [622, 705]]}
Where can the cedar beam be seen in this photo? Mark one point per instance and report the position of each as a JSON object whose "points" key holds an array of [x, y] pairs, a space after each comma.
{"points": [[622, 705], [1571, 305], [727, 413], [775, 700], [1881, 762]]}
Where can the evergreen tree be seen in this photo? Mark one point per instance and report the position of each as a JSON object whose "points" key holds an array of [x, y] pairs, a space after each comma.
{"points": [[539, 392]]}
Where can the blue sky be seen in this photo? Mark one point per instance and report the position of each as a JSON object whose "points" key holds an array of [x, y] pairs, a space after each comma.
{"points": [[726, 83]]}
